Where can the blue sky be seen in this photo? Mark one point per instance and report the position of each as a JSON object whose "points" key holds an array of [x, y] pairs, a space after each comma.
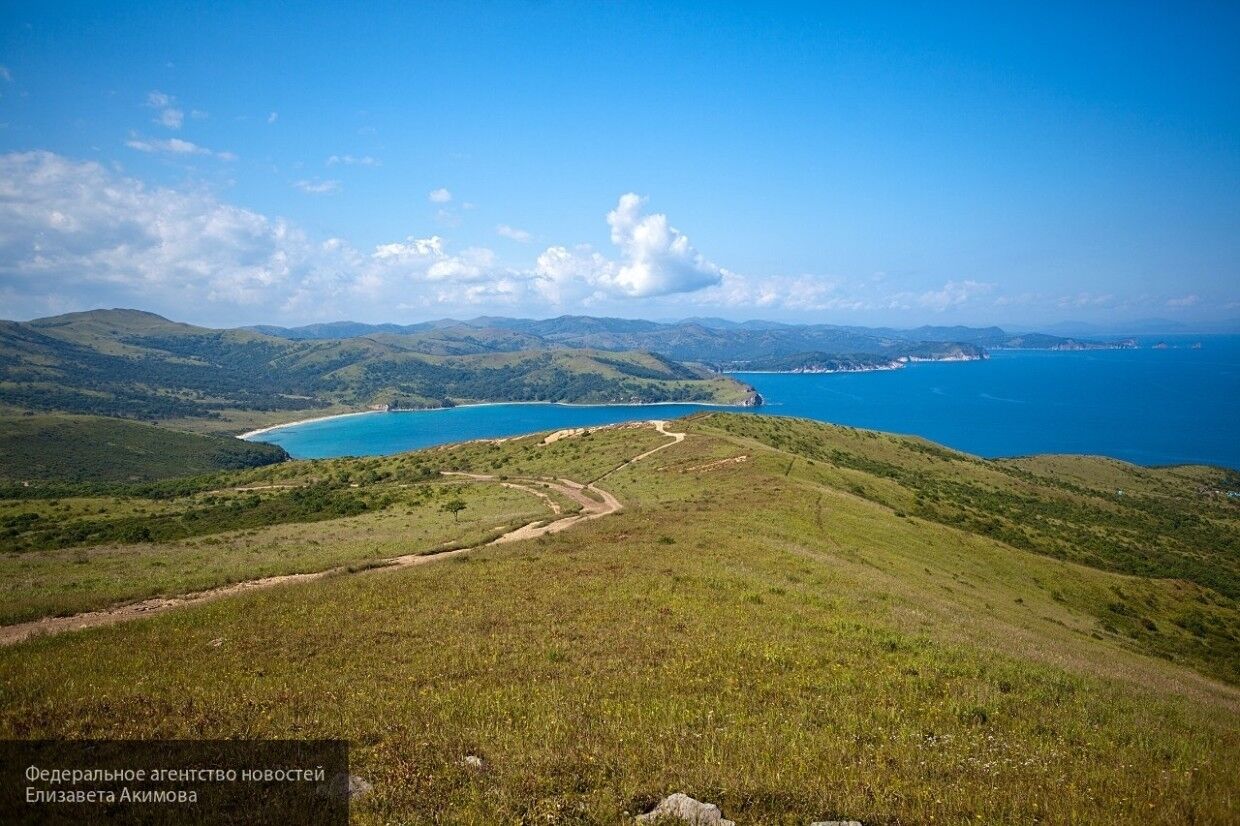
{"points": [[839, 163]]}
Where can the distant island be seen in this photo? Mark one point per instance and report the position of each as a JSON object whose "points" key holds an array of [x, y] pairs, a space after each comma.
{"points": [[1041, 341]]}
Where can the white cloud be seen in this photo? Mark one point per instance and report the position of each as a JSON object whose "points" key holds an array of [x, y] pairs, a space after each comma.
{"points": [[79, 234], [439, 196], [172, 118], [5, 74], [169, 115], [173, 146], [317, 187], [1184, 301], [78, 230], [273, 117], [566, 275], [75, 235], [351, 160], [518, 235], [658, 258], [804, 293], [1084, 300], [953, 294]]}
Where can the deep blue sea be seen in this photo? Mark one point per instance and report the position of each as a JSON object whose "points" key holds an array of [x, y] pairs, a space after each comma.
{"points": [[1146, 406]]}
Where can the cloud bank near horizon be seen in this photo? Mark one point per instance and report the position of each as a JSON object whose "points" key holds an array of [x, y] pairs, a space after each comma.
{"points": [[77, 234]]}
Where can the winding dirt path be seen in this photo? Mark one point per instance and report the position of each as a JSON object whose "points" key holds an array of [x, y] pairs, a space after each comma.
{"points": [[601, 504]]}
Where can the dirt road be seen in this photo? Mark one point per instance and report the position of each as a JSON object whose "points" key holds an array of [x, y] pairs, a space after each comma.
{"points": [[601, 504]]}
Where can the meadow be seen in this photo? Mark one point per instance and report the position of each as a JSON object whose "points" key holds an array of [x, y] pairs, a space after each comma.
{"points": [[792, 620]]}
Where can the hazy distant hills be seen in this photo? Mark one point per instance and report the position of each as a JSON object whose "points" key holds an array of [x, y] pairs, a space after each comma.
{"points": [[716, 342], [135, 364]]}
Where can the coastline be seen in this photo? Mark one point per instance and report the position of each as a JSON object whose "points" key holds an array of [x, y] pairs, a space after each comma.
{"points": [[258, 432], [895, 364], [251, 433]]}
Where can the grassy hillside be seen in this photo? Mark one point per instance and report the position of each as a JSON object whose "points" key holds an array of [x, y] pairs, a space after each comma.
{"points": [[773, 623], [715, 341], [65, 448], [138, 365]]}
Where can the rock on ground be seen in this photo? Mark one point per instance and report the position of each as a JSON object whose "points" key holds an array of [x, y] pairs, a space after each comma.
{"points": [[836, 823], [682, 807], [357, 787]]}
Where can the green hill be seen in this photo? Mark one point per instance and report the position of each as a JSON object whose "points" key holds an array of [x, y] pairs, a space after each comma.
{"points": [[792, 620], [138, 365], [96, 449]]}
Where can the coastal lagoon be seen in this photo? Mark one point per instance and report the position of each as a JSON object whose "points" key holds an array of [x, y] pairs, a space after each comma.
{"points": [[1149, 406]]}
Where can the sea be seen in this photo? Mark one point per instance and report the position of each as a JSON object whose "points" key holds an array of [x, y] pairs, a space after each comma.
{"points": [[1151, 406]]}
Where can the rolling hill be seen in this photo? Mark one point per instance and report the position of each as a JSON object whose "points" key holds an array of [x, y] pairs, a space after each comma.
{"points": [[66, 448], [139, 365], [727, 345], [792, 620]]}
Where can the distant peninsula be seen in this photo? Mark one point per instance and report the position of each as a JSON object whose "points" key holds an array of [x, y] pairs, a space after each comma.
{"points": [[132, 364]]}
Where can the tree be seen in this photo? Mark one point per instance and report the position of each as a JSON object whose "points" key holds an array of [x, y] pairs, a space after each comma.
{"points": [[454, 507]]}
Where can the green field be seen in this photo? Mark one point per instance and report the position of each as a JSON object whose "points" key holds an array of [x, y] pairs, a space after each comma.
{"points": [[792, 620]]}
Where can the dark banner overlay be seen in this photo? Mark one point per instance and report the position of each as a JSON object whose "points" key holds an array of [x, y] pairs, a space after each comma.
{"points": [[174, 781]]}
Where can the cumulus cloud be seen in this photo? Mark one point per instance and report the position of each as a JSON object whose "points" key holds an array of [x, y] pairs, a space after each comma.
{"points": [[317, 187], [78, 234], [439, 196], [77, 229], [518, 235], [657, 258]]}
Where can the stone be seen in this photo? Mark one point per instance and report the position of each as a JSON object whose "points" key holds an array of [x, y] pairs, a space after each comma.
{"points": [[358, 788], [684, 808], [836, 823], [472, 761]]}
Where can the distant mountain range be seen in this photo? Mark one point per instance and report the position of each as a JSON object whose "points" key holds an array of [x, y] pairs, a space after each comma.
{"points": [[714, 342], [135, 364]]}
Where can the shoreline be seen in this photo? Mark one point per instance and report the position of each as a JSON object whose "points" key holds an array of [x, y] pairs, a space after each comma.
{"points": [[895, 364], [249, 434]]}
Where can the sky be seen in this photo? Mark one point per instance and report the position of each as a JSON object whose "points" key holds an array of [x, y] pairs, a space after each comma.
{"points": [[843, 163]]}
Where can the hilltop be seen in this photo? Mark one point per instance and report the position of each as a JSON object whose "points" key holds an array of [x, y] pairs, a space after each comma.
{"points": [[139, 365], [721, 344], [793, 620]]}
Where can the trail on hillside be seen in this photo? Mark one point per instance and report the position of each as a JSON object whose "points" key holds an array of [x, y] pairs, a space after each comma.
{"points": [[603, 503]]}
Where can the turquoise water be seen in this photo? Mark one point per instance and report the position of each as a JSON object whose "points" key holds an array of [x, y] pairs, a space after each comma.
{"points": [[1146, 406]]}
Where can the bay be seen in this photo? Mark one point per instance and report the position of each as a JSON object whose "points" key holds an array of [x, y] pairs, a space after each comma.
{"points": [[1148, 406]]}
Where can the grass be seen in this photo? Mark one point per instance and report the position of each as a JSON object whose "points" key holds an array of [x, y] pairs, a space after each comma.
{"points": [[754, 633], [73, 580], [97, 449]]}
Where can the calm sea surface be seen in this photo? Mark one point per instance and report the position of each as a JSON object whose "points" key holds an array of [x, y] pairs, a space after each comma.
{"points": [[1146, 406]]}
